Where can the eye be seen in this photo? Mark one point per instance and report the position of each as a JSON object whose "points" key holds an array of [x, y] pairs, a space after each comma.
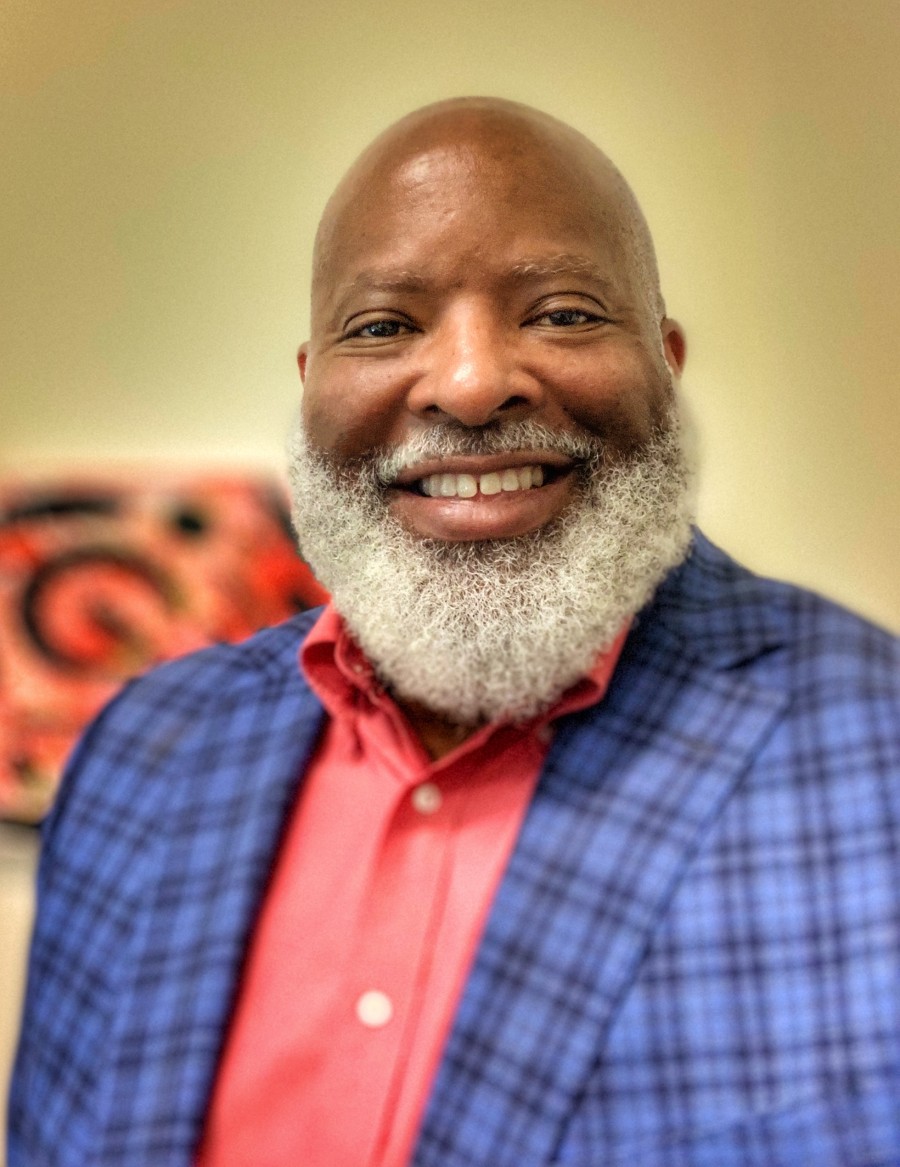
{"points": [[385, 328], [566, 318]]}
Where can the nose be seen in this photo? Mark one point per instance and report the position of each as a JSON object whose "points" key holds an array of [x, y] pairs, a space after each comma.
{"points": [[474, 373]]}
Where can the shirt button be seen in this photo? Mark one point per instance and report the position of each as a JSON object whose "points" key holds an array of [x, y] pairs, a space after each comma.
{"points": [[545, 734], [374, 1009], [427, 798]]}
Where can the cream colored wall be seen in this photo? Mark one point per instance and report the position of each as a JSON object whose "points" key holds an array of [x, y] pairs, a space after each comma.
{"points": [[18, 856], [164, 163]]}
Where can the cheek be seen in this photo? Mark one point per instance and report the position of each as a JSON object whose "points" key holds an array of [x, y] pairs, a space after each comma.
{"points": [[348, 414], [621, 396]]}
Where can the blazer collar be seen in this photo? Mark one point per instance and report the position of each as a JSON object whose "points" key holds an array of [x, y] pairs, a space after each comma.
{"points": [[719, 612]]}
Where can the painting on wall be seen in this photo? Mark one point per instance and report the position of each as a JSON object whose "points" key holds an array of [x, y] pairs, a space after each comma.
{"points": [[102, 577]]}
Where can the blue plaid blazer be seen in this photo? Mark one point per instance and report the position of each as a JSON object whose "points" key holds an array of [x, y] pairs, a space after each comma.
{"points": [[693, 959]]}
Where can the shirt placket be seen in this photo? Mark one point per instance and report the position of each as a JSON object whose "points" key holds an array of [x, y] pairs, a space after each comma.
{"points": [[387, 973]]}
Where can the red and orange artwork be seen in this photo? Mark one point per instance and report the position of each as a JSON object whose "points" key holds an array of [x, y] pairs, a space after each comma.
{"points": [[103, 577]]}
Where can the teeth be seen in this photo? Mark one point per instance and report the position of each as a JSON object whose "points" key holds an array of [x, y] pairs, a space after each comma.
{"points": [[467, 485]]}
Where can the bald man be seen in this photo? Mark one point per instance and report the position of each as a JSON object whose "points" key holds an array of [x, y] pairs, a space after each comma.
{"points": [[557, 837]]}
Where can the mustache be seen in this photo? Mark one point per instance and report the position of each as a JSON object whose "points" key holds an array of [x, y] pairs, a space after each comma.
{"points": [[450, 439]]}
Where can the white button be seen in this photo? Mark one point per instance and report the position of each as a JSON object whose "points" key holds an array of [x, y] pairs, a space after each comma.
{"points": [[427, 798], [374, 1008]]}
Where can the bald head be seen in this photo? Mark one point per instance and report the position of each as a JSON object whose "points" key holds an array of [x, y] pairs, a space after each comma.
{"points": [[513, 140]]}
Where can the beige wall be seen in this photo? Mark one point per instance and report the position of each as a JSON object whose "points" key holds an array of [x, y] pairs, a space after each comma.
{"points": [[18, 855], [164, 162]]}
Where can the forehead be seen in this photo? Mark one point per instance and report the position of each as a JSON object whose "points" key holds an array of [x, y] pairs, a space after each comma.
{"points": [[469, 202]]}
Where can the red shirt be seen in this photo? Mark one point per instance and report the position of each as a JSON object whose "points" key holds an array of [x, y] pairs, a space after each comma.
{"points": [[368, 931]]}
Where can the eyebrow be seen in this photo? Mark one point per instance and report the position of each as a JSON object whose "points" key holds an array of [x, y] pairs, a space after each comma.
{"points": [[382, 280], [565, 263], [404, 281]]}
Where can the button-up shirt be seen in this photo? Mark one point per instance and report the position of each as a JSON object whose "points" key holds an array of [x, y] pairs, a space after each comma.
{"points": [[365, 938]]}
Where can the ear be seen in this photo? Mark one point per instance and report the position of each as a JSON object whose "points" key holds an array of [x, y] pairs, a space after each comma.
{"points": [[302, 357], [674, 345]]}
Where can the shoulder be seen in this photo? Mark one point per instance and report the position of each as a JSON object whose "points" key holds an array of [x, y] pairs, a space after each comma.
{"points": [[831, 678], [729, 616], [187, 718], [269, 656], [214, 678], [715, 628]]}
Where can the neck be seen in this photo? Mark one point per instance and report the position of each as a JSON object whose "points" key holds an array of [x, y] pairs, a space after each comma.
{"points": [[436, 733]]}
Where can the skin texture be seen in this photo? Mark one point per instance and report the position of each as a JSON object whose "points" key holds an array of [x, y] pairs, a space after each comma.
{"points": [[481, 263]]}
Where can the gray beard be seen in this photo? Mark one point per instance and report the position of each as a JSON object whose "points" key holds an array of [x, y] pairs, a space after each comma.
{"points": [[494, 630]]}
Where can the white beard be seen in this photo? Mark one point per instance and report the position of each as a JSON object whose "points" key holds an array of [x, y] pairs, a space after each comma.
{"points": [[493, 630]]}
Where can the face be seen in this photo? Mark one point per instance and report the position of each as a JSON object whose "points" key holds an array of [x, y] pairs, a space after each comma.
{"points": [[465, 288]]}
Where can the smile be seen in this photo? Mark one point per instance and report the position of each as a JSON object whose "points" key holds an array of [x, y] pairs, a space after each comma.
{"points": [[466, 497], [470, 485]]}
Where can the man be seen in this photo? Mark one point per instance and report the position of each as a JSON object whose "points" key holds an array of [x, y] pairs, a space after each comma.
{"points": [[566, 840]]}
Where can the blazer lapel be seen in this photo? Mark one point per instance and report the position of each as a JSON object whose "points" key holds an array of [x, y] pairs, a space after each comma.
{"points": [[627, 795], [203, 879]]}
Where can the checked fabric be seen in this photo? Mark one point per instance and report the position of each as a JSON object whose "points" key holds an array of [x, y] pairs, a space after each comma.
{"points": [[693, 959]]}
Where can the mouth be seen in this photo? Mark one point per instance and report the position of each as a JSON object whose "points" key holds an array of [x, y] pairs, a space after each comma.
{"points": [[470, 478], [470, 498]]}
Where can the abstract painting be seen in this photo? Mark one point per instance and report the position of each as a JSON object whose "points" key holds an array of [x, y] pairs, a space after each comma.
{"points": [[103, 576]]}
